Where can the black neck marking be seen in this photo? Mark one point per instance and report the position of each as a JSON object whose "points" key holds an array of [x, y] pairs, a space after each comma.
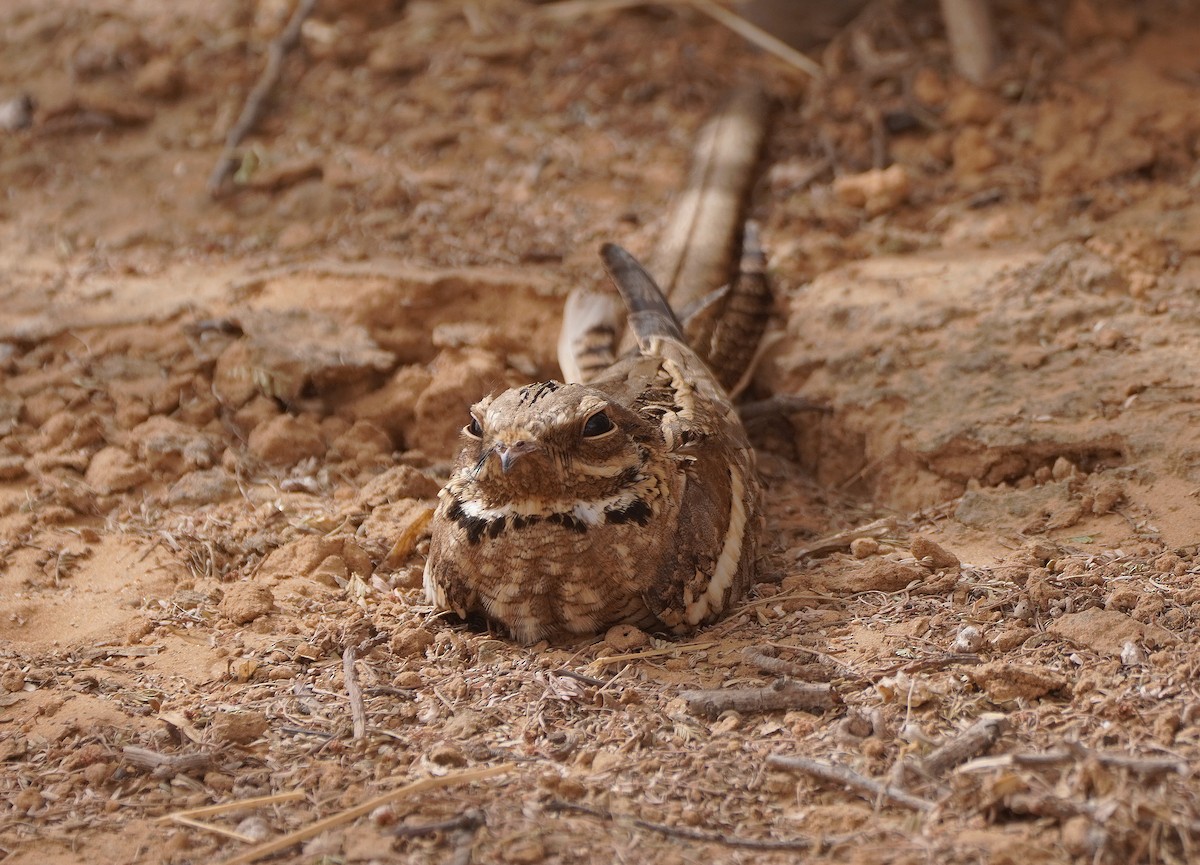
{"points": [[638, 511]]}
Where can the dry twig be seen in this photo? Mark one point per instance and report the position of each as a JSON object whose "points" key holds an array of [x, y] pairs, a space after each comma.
{"points": [[783, 694], [313, 829], [972, 37], [358, 714], [1075, 751], [868, 788], [166, 765], [974, 740], [689, 834], [759, 657], [469, 820], [256, 102], [841, 540]]}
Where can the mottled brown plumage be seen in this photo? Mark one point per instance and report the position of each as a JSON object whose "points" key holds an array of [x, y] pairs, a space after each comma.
{"points": [[632, 498]]}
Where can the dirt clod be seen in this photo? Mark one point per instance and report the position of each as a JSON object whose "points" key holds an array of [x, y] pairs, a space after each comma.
{"points": [[285, 440], [237, 728], [939, 557], [113, 470], [245, 602]]}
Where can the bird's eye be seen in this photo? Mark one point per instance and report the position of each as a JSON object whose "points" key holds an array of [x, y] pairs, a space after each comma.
{"points": [[473, 429], [597, 425]]}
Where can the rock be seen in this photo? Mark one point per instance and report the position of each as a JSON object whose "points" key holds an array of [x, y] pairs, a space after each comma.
{"points": [[161, 78], [1107, 631], [237, 728], [112, 45], [245, 602], [1107, 497], [626, 638], [1082, 837], [972, 152], [862, 548], [411, 642], [881, 575], [286, 440], [397, 483], [391, 521], [113, 470], [929, 88], [1003, 681], [876, 191], [17, 113], [972, 105], [392, 57], [924, 548], [393, 407], [447, 754], [331, 572], [362, 442], [308, 555], [171, 447], [203, 488]]}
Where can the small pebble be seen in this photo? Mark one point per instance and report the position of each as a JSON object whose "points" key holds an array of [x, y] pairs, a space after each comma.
{"points": [[861, 548], [625, 638]]}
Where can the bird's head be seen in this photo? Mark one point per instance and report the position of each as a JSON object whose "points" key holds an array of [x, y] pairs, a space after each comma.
{"points": [[551, 442]]}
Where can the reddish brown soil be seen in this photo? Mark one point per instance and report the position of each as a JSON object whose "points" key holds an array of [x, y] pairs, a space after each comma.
{"points": [[223, 424]]}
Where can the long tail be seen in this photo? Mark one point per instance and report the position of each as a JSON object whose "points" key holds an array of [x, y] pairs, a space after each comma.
{"points": [[737, 337], [649, 313]]}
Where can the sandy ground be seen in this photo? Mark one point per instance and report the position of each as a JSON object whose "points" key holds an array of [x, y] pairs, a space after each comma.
{"points": [[224, 423]]}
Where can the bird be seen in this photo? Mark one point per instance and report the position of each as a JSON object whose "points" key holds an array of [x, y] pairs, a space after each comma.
{"points": [[626, 495]]}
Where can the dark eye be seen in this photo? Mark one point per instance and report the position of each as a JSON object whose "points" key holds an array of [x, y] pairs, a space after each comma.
{"points": [[473, 429], [597, 425]]}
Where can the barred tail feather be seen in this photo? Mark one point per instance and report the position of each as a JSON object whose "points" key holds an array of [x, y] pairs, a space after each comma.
{"points": [[649, 313], [587, 341]]}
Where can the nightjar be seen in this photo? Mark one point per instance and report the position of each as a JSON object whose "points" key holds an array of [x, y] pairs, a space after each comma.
{"points": [[629, 495]]}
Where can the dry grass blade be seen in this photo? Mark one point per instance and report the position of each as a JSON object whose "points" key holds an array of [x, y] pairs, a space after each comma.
{"points": [[666, 651], [313, 829], [255, 802], [209, 827], [760, 37], [739, 25]]}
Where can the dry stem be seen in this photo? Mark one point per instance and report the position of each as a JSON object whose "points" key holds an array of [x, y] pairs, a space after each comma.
{"points": [[358, 713], [783, 694], [313, 829], [256, 102], [690, 834], [868, 788]]}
